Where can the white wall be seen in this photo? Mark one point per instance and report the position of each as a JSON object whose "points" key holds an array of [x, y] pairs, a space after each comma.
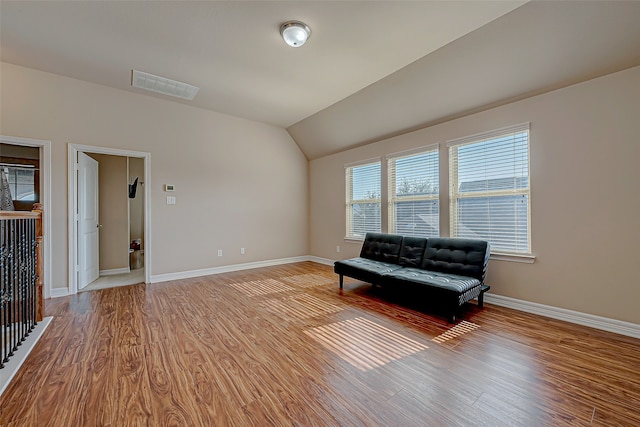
{"points": [[238, 183], [585, 195]]}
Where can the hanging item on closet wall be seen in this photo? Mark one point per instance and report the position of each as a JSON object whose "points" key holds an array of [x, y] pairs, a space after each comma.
{"points": [[6, 201], [132, 189]]}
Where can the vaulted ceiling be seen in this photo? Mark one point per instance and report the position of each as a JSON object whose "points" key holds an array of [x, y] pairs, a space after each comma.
{"points": [[370, 69]]}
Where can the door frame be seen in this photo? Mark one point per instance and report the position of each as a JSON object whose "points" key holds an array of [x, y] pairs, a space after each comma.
{"points": [[45, 198], [73, 150]]}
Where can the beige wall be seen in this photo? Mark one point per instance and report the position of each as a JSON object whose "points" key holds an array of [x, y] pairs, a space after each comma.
{"points": [[238, 183], [113, 211], [244, 184], [585, 197], [136, 205]]}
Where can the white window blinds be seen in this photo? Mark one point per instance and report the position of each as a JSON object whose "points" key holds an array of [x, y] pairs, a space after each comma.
{"points": [[413, 193], [489, 189], [363, 199]]}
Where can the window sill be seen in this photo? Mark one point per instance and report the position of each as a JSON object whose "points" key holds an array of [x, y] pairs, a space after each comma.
{"points": [[522, 258], [353, 240]]}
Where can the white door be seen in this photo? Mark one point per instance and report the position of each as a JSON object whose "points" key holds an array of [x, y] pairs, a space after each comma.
{"points": [[87, 220]]}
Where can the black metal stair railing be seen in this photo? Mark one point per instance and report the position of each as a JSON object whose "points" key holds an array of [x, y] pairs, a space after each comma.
{"points": [[18, 275]]}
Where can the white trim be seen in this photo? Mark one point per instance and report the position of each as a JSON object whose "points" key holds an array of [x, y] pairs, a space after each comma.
{"points": [[363, 162], [45, 173], [413, 151], [15, 362], [59, 292], [522, 258], [114, 271], [489, 134], [73, 150], [354, 240], [597, 322], [325, 261], [225, 269]]}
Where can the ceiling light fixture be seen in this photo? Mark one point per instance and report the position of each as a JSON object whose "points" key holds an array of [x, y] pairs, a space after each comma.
{"points": [[163, 85], [295, 33]]}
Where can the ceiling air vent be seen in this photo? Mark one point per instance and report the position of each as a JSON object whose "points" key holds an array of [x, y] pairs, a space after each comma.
{"points": [[163, 85]]}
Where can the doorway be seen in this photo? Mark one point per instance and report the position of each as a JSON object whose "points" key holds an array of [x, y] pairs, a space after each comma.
{"points": [[43, 181], [119, 254]]}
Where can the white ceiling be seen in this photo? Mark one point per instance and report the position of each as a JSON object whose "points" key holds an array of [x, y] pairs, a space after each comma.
{"points": [[370, 69]]}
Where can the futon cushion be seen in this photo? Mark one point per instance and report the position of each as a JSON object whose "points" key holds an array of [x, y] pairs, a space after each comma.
{"points": [[381, 247], [359, 267], [446, 281], [464, 257], [412, 251]]}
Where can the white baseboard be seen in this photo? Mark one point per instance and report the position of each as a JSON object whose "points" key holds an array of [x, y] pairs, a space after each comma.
{"points": [[157, 278], [114, 271], [59, 292], [592, 321], [325, 261], [597, 322], [11, 367]]}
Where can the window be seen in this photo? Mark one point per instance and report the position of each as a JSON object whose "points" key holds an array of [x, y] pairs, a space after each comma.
{"points": [[413, 193], [23, 177], [363, 199], [489, 189], [21, 182]]}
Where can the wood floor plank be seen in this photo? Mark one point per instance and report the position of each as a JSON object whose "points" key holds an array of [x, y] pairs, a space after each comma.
{"points": [[276, 346]]}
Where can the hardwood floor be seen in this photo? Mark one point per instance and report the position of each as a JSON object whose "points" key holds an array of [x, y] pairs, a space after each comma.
{"points": [[283, 346]]}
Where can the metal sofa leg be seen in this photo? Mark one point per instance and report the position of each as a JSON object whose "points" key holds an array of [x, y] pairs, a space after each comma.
{"points": [[341, 280], [483, 289]]}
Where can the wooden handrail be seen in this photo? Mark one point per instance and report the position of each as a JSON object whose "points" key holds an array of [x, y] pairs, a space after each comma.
{"points": [[21, 214], [38, 210]]}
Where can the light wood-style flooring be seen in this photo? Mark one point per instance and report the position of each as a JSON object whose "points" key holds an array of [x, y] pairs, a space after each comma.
{"points": [[283, 346]]}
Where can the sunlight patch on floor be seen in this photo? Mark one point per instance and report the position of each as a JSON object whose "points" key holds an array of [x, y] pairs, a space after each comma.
{"points": [[458, 330], [308, 280], [260, 287], [363, 343], [301, 306]]}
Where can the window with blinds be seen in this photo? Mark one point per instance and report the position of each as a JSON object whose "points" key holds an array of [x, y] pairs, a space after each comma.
{"points": [[489, 189], [413, 193], [363, 199]]}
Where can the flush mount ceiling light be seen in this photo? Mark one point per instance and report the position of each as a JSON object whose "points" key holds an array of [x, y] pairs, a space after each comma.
{"points": [[295, 33], [163, 85]]}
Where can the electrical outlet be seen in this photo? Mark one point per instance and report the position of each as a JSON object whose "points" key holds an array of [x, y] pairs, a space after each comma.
{"points": [[338, 249], [241, 251], [171, 200], [219, 252]]}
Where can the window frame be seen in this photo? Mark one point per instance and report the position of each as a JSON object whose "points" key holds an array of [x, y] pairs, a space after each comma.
{"points": [[393, 199], [350, 201], [455, 195]]}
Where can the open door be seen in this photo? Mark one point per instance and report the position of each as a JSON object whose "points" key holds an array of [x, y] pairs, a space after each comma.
{"points": [[88, 225]]}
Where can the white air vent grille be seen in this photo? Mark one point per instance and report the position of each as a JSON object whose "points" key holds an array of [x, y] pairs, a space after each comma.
{"points": [[163, 85]]}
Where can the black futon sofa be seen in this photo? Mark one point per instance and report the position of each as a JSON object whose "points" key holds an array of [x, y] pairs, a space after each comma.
{"points": [[450, 270]]}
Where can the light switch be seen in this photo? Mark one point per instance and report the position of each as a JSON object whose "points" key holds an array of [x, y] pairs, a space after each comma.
{"points": [[171, 200]]}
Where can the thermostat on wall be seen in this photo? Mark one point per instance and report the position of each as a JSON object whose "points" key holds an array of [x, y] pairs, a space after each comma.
{"points": [[169, 187]]}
